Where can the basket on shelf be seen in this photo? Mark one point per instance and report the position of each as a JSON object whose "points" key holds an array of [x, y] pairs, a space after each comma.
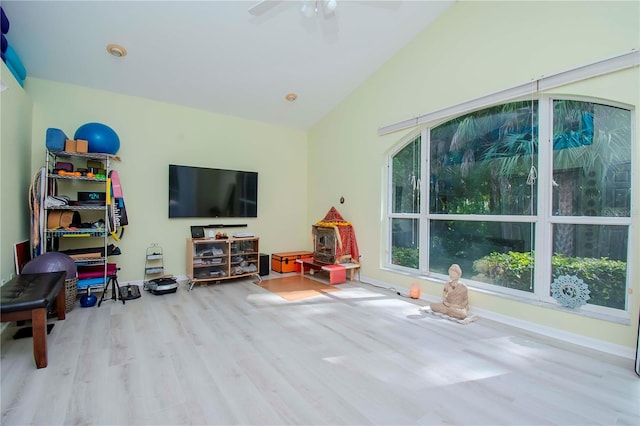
{"points": [[70, 293]]}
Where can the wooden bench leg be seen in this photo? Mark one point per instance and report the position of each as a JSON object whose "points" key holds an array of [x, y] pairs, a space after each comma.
{"points": [[39, 330]]}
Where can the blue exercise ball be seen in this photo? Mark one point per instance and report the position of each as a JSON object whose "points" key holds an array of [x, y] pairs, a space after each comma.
{"points": [[52, 261], [101, 137]]}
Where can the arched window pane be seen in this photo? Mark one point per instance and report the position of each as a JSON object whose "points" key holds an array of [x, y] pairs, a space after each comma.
{"points": [[406, 179], [483, 162], [482, 209], [591, 159]]}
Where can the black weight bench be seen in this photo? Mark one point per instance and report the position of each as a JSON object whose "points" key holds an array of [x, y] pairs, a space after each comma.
{"points": [[28, 297]]}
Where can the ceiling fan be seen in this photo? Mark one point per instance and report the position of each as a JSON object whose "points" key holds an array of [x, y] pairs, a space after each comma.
{"points": [[308, 8]]}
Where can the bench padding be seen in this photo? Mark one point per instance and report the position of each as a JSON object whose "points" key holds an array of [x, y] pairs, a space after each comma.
{"points": [[27, 297], [31, 291]]}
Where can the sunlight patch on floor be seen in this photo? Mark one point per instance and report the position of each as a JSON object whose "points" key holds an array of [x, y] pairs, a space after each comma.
{"points": [[450, 372]]}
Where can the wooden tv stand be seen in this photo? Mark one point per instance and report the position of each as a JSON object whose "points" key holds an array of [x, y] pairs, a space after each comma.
{"points": [[210, 259]]}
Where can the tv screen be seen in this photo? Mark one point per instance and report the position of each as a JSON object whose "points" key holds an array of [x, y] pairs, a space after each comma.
{"points": [[204, 192]]}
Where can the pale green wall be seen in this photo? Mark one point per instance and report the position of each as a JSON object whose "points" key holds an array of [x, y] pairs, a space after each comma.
{"points": [[15, 169], [153, 135], [474, 49]]}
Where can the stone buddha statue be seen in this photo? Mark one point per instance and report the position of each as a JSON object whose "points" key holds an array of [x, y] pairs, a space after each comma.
{"points": [[455, 300]]}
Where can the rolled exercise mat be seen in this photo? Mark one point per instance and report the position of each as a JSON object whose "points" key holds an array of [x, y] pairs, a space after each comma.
{"points": [[3, 44], [55, 139], [13, 59], [96, 271], [90, 282]]}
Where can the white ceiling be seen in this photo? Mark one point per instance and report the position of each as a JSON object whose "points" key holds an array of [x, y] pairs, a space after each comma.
{"points": [[215, 55]]}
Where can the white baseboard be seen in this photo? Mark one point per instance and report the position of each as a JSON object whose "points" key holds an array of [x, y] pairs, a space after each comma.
{"points": [[565, 336]]}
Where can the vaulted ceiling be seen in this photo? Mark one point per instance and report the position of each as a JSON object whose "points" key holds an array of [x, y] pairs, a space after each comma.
{"points": [[216, 55]]}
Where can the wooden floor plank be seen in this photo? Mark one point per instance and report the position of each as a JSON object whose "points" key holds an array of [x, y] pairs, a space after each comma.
{"points": [[234, 353]]}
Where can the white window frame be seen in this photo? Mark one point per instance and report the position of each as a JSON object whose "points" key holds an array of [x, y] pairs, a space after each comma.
{"points": [[543, 220]]}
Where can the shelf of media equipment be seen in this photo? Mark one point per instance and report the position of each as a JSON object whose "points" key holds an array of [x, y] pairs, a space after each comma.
{"points": [[211, 259]]}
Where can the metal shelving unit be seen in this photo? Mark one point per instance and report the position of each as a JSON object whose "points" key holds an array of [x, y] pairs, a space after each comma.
{"points": [[154, 263], [57, 184]]}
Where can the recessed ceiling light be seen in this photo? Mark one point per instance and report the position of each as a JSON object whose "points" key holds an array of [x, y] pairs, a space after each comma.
{"points": [[116, 50], [291, 97]]}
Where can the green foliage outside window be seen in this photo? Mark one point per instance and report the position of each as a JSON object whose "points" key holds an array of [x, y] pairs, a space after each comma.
{"points": [[511, 270], [480, 162], [405, 256], [514, 270], [406, 179]]}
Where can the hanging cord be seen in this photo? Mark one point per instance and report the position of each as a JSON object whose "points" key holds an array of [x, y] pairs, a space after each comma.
{"points": [[532, 179], [415, 187]]}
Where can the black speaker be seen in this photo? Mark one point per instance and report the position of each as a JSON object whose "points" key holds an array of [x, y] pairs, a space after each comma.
{"points": [[197, 232], [264, 264]]}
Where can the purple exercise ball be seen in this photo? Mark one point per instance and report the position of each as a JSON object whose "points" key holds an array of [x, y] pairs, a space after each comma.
{"points": [[52, 261]]}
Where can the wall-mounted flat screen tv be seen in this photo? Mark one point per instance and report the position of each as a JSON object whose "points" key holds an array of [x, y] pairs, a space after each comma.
{"points": [[204, 192]]}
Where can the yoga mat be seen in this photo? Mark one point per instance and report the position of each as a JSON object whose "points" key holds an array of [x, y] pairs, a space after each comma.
{"points": [[90, 282], [12, 58]]}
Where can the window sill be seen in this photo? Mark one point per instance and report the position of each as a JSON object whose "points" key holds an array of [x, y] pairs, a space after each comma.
{"points": [[623, 319]]}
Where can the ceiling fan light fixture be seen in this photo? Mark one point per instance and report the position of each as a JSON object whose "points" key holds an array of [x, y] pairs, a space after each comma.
{"points": [[291, 97], [330, 6], [116, 50], [308, 8]]}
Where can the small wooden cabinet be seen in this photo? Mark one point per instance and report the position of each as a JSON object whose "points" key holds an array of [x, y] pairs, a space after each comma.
{"points": [[214, 260]]}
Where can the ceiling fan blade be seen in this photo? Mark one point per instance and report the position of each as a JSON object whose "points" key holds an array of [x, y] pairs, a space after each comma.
{"points": [[263, 7]]}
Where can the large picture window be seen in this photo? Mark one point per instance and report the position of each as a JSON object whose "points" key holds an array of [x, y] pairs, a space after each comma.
{"points": [[514, 209]]}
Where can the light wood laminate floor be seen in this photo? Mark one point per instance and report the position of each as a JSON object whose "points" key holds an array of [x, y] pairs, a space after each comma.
{"points": [[233, 353]]}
